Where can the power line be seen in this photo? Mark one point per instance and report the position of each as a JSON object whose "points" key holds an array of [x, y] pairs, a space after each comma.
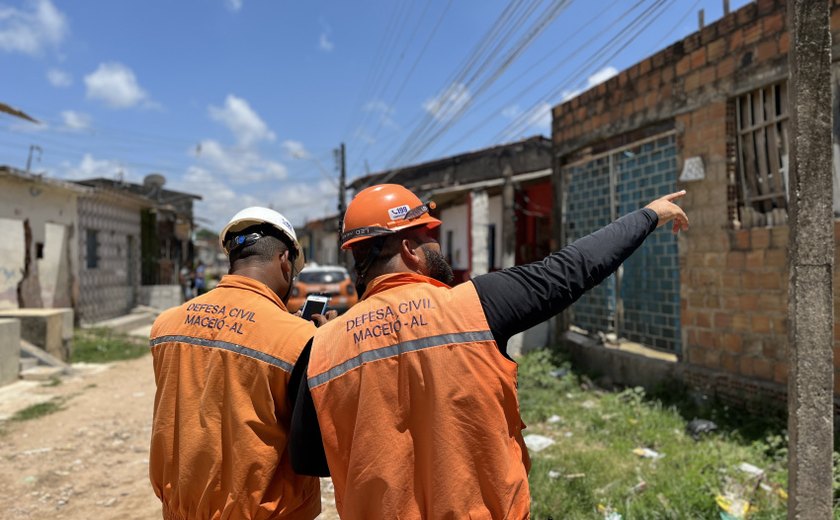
{"points": [[639, 24], [544, 19]]}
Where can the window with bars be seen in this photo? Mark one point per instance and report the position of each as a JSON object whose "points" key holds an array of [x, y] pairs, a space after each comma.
{"points": [[762, 119]]}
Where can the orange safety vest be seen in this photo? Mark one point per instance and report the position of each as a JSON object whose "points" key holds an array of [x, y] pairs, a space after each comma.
{"points": [[221, 418], [417, 407]]}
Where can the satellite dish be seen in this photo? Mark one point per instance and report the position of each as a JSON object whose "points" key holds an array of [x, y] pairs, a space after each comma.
{"points": [[154, 181]]}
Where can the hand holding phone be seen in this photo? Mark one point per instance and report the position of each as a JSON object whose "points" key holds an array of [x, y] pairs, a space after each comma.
{"points": [[314, 304]]}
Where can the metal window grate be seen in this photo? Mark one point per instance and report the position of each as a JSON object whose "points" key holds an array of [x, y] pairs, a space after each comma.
{"points": [[762, 118]]}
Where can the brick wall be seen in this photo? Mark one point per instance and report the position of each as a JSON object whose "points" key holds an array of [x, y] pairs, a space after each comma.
{"points": [[733, 282]]}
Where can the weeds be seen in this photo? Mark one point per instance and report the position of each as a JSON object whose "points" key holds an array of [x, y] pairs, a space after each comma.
{"points": [[592, 468], [104, 345], [38, 410]]}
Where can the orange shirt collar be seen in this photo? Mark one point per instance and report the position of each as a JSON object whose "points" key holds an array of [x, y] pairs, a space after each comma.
{"points": [[236, 281], [389, 281]]}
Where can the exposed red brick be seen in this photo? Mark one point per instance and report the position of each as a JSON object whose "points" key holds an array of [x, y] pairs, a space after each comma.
{"points": [[735, 260], [707, 75], [763, 369], [752, 34], [741, 322], [776, 258], [702, 319], [683, 66], [706, 338], [692, 81], [716, 49], [736, 40], [761, 324], [779, 236], [746, 366], [784, 43], [698, 58], [766, 6], [725, 67], [741, 239], [749, 302], [722, 320], [755, 259], [780, 372], [729, 363], [774, 23], [767, 49], [667, 74], [732, 343], [746, 14], [760, 238]]}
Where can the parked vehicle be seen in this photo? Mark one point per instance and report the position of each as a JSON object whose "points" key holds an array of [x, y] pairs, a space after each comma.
{"points": [[328, 280]]}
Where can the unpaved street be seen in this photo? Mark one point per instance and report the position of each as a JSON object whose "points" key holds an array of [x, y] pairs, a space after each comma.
{"points": [[89, 459]]}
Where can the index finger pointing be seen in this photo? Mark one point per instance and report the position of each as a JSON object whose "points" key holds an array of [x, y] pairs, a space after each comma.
{"points": [[674, 196]]}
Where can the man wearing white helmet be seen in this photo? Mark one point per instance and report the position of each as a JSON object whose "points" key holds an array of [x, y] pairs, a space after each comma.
{"points": [[222, 362]]}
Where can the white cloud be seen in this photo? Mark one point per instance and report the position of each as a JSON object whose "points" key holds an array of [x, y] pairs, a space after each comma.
{"points": [[240, 118], [297, 201], [115, 85], [59, 78], [449, 102], [324, 43], [30, 30], [384, 110], [593, 80], [90, 167], [240, 165], [75, 120], [295, 149], [234, 5], [365, 137], [539, 117]]}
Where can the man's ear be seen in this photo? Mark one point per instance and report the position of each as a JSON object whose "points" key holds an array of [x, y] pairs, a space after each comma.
{"points": [[411, 254], [286, 264]]}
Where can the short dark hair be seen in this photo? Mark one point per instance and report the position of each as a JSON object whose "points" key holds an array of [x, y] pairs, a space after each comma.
{"points": [[271, 244]]}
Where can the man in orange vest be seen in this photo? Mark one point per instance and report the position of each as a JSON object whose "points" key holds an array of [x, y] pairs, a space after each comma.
{"points": [[222, 363], [409, 399]]}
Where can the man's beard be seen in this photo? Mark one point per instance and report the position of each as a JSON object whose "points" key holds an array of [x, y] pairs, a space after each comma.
{"points": [[438, 268]]}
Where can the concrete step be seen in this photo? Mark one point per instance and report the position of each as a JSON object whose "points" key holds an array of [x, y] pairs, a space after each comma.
{"points": [[41, 373], [27, 363], [124, 324], [40, 356]]}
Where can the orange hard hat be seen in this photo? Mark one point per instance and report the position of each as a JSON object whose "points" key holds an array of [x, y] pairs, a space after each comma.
{"points": [[382, 210]]}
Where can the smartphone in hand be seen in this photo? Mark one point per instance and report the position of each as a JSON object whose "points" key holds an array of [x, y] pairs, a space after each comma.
{"points": [[314, 304]]}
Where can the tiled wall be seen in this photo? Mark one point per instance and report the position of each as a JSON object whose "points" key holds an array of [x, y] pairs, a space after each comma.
{"points": [[587, 210], [650, 285]]}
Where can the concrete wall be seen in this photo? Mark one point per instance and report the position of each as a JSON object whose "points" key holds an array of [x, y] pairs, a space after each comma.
{"points": [[112, 287], [161, 296], [456, 220], [733, 281], [9, 351], [51, 215]]}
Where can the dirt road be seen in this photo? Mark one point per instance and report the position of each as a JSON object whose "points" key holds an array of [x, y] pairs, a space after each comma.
{"points": [[89, 459]]}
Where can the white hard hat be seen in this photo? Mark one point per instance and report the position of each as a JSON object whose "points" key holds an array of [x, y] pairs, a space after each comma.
{"points": [[256, 215]]}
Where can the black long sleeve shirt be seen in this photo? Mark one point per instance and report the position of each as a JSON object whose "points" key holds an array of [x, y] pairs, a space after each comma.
{"points": [[513, 299]]}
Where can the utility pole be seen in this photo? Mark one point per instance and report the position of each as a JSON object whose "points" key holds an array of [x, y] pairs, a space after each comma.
{"points": [[811, 381], [32, 148], [341, 159]]}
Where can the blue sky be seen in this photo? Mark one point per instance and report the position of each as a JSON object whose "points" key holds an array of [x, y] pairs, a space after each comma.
{"points": [[244, 101]]}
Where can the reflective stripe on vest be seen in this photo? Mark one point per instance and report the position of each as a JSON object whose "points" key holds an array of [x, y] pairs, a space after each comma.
{"points": [[233, 347], [396, 350]]}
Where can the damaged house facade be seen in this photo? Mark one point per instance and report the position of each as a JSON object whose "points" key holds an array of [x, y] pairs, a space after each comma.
{"points": [[708, 114], [495, 203], [87, 243]]}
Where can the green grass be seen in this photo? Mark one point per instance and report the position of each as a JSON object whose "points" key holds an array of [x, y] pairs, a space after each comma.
{"points": [[103, 346], [37, 410], [593, 464]]}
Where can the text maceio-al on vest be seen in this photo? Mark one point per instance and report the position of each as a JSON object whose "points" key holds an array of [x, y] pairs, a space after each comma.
{"points": [[366, 325]]}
